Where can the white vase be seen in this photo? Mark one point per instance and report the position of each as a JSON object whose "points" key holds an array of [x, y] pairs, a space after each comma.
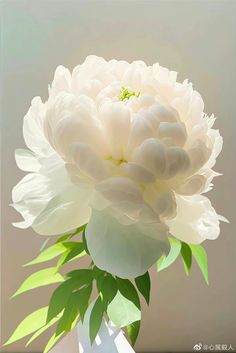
{"points": [[110, 339]]}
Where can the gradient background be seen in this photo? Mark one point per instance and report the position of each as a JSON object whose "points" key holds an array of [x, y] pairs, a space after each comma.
{"points": [[195, 38]]}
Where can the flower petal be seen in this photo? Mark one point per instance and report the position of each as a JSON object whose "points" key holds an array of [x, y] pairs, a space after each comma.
{"points": [[116, 118], [126, 251], [66, 211], [174, 131], [33, 128], [177, 161], [30, 196], [152, 156], [138, 173], [196, 220], [88, 161], [120, 189], [26, 160], [193, 185]]}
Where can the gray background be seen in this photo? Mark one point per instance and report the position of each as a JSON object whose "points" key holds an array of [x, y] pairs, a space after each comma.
{"points": [[196, 38]]}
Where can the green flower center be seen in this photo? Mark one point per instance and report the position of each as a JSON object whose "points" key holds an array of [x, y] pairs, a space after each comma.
{"points": [[126, 94]]}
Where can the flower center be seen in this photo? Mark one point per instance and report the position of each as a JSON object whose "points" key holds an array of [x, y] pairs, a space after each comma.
{"points": [[117, 161], [126, 94]]}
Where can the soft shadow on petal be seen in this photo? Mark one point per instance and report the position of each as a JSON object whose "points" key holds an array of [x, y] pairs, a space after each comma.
{"points": [[66, 211], [151, 154], [126, 251]]}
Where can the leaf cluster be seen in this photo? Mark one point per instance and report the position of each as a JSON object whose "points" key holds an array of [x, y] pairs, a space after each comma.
{"points": [[117, 298], [188, 252]]}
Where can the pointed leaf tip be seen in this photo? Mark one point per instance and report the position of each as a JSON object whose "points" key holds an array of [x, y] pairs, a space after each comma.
{"points": [[200, 256], [143, 284], [133, 331], [186, 256], [166, 261], [38, 279], [30, 324]]}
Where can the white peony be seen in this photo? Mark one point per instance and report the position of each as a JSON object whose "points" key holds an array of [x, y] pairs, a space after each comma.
{"points": [[128, 150]]}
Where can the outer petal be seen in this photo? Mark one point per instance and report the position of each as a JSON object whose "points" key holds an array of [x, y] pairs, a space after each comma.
{"points": [[49, 202], [27, 160], [33, 128], [126, 251], [67, 210], [61, 81], [30, 196], [196, 220], [217, 143], [193, 185]]}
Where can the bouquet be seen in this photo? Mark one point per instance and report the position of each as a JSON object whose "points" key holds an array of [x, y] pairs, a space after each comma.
{"points": [[119, 159]]}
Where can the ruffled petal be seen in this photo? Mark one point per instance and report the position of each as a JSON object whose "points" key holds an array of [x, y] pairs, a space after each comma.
{"points": [[126, 251], [193, 185], [33, 129], [49, 202], [196, 220], [30, 196], [61, 81]]}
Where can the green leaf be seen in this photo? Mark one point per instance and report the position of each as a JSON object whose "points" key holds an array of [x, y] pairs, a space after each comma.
{"points": [[61, 295], [200, 255], [166, 261], [133, 331], [128, 290], [70, 235], [83, 275], [75, 252], [186, 256], [40, 278], [50, 253], [65, 237], [43, 329], [85, 242], [53, 340], [30, 324], [123, 312], [98, 274], [143, 284], [84, 294], [69, 315], [108, 289], [77, 302], [95, 320]]}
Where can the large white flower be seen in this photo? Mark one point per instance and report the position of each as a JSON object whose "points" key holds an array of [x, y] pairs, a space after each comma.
{"points": [[128, 150]]}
